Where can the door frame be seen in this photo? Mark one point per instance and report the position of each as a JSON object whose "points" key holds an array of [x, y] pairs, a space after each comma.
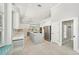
{"points": [[75, 42], [63, 30]]}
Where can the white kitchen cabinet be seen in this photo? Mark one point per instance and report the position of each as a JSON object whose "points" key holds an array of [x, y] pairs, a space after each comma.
{"points": [[5, 24], [2, 25]]}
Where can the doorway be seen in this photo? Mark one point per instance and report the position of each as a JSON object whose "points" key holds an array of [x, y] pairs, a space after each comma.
{"points": [[67, 33]]}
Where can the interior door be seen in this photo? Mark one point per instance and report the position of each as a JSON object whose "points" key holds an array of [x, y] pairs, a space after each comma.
{"points": [[76, 35]]}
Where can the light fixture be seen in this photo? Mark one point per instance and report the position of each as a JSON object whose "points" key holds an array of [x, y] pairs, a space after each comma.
{"points": [[39, 5], [13, 3]]}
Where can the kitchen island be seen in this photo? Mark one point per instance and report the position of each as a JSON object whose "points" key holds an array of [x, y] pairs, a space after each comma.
{"points": [[36, 37]]}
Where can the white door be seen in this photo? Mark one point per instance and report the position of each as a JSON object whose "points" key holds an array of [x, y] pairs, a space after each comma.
{"points": [[76, 35]]}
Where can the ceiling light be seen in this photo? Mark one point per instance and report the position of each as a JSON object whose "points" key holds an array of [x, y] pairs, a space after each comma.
{"points": [[39, 5]]}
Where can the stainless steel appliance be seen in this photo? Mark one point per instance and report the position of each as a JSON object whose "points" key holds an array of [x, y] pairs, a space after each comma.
{"points": [[47, 33]]}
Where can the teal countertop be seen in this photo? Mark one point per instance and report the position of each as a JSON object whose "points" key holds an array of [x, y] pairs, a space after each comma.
{"points": [[5, 49]]}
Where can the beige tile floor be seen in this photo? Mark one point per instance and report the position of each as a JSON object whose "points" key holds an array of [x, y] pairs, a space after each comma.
{"points": [[44, 48]]}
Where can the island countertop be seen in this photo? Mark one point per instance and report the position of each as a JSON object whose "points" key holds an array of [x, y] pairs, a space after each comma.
{"points": [[36, 37]]}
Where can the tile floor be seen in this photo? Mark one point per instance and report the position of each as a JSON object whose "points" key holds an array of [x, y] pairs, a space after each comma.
{"points": [[44, 48]]}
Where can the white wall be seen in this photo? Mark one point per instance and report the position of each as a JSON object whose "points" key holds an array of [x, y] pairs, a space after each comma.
{"points": [[65, 10], [45, 22], [55, 32]]}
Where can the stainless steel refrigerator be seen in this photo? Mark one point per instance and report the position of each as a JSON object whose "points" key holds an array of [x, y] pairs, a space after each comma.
{"points": [[47, 33]]}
